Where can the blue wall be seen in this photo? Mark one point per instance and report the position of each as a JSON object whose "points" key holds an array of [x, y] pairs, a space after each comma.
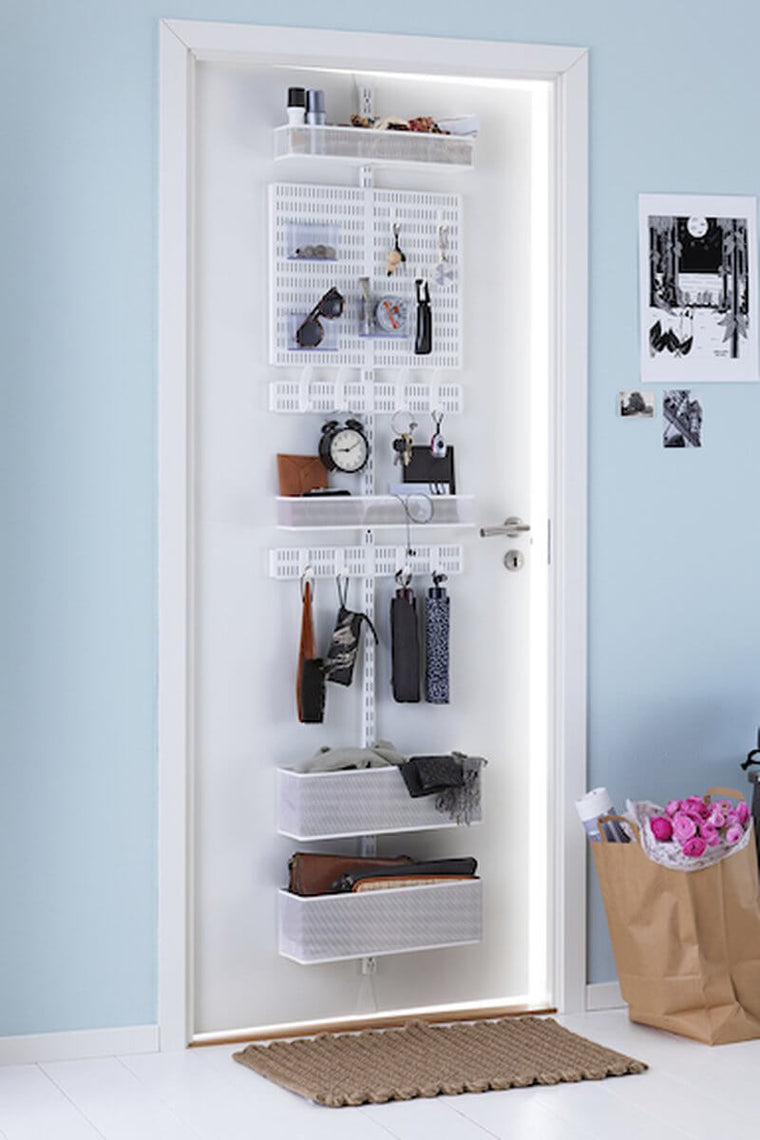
{"points": [[674, 546]]}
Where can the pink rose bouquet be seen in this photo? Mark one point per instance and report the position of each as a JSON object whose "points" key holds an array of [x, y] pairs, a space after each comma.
{"points": [[695, 824]]}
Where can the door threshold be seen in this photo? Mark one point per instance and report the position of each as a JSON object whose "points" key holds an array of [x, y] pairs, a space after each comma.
{"points": [[440, 1015]]}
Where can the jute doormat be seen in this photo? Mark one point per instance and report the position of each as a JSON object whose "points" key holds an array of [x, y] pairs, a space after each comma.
{"points": [[378, 1065]]}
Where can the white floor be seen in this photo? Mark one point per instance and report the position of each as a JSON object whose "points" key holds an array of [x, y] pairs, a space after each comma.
{"points": [[200, 1094]]}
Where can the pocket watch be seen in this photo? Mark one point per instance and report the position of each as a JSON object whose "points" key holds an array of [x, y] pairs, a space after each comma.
{"points": [[344, 447]]}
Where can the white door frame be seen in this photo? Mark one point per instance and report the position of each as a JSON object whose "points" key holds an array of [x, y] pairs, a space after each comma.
{"points": [[183, 43]]}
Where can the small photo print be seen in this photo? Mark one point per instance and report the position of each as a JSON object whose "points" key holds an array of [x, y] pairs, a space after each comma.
{"points": [[681, 419], [636, 405]]}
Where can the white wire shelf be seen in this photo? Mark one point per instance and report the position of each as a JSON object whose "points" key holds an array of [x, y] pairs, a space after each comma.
{"points": [[359, 146], [335, 927], [347, 512], [313, 806]]}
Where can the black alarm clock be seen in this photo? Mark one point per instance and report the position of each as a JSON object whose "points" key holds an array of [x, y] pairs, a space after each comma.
{"points": [[344, 447]]}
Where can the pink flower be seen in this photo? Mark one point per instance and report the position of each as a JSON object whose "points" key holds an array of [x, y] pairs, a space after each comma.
{"points": [[684, 827], [662, 828], [725, 805], [732, 818], [710, 834], [734, 834], [673, 807], [695, 805], [716, 818], [742, 812], [694, 847]]}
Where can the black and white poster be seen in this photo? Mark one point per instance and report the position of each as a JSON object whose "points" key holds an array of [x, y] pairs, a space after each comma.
{"points": [[698, 283]]}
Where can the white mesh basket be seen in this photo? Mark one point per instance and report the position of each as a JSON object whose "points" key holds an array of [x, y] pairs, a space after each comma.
{"points": [[328, 928], [371, 801]]}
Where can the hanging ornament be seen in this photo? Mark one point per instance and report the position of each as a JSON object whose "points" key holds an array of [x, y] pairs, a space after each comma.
{"points": [[444, 270], [396, 256]]}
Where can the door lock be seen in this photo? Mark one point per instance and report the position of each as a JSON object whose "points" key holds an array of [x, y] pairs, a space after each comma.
{"points": [[513, 527], [514, 560]]}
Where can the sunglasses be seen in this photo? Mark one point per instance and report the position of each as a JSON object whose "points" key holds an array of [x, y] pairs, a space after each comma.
{"points": [[310, 333]]}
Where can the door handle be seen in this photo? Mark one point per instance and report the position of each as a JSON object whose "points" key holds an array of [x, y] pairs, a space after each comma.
{"points": [[513, 528]]}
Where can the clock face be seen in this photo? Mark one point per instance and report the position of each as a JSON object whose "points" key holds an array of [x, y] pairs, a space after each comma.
{"points": [[697, 227], [348, 450]]}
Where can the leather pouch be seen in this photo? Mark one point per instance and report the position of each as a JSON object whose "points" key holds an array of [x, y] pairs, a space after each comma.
{"points": [[312, 691], [313, 873], [298, 474], [429, 775], [456, 868]]}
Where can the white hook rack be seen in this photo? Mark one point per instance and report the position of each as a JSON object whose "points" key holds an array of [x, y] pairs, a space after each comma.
{"points": [[309, 394], [288, 564]]}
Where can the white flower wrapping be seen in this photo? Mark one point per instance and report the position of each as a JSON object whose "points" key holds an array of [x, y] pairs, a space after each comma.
{"points": [[669, 853]]}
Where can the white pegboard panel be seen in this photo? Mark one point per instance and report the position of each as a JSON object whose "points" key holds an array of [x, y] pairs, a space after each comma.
{"points": [[297, 285], [359, 221], [419, 216], [289, 563], [336, 395]]}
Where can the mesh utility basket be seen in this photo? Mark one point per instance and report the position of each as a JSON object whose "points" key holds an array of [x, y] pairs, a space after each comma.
{"points": [[353, 144], [329, 928], [370, 801]]}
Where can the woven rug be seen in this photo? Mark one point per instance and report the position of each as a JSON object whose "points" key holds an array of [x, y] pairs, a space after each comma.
{"points": [[378, 1065]]}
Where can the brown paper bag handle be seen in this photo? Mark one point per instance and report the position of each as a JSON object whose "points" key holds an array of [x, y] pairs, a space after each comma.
{"points": [[725, 792], [623, 819]]}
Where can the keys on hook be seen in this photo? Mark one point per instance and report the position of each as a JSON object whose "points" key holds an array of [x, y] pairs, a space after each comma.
{"points": [[437, 442], [404, 426]]}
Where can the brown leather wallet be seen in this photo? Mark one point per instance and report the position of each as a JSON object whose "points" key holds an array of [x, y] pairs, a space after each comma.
{"points": [[298, 474], [313, 873]]}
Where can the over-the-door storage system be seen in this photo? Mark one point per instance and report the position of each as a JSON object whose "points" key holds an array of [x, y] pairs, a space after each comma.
{"points": [[326, 237], [259, 219]]}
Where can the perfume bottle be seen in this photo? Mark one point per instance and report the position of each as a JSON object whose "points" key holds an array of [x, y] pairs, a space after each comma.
{"points": [[296, 106], [315, 108]]}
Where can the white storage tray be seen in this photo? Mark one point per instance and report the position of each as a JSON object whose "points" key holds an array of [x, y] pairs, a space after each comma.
{"points": [[351, 511], [368, 801], [356, 145], [330, 928]]}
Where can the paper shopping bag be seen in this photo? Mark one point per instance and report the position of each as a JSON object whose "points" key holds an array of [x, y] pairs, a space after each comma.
{"points": [[686, 943]]}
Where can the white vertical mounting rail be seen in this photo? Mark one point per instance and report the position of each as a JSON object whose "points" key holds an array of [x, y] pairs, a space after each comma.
{"points": [[369, 726]]}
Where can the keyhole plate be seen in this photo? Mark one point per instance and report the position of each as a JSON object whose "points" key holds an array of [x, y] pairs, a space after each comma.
{"points": [[514, 560]]}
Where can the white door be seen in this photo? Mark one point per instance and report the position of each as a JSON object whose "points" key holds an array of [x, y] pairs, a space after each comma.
{"points": [[245, 621]]}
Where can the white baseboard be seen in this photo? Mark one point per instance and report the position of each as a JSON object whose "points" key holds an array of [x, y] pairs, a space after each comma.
{"points": [[78, 1044], [604, 995]]}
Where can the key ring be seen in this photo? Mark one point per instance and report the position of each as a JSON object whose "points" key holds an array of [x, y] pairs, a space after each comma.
{"points": [[437, 442]]}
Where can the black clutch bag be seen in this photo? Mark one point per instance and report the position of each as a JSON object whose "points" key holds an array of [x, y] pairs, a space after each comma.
{"points": [[344, 645], [429, 775]]}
